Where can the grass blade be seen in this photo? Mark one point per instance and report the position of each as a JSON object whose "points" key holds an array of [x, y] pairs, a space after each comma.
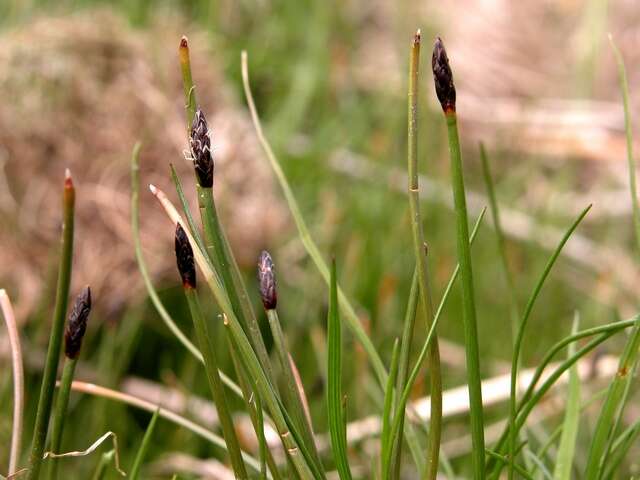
{"points": [[53, 352], [566, 450], [303, 231], [521, 329], [388, 412], [616, 398], [144, 447], [500, 239], [337, 423]]}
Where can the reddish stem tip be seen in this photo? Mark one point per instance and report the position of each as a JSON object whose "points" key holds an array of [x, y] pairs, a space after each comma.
{"points": [[184, 42], [417, 38], [68, 181]]}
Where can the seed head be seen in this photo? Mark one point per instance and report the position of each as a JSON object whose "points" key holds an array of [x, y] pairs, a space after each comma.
{"points": [[267, 278], [200, 144], [443, 77], [77, 324], [184, 258]]}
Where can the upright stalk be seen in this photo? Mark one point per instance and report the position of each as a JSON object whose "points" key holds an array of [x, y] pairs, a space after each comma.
{"points": [[435, 425], [55, 342], [73, 335], [186, 267], [446, 93], [218, 250]]}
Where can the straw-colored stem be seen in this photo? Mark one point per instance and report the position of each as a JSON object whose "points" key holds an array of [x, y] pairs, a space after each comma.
{"points": [[435, 376], [18, 380], [100, 391], [53, 353], [62, 402], [215, 383], [468, 298]]}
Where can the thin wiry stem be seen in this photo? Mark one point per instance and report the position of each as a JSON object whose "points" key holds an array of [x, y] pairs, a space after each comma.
{"points": [[53, 353], [435, 376], [18, 380], [312, 249]]}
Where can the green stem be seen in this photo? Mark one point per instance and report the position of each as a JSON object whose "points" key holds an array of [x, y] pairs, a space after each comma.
{"points": [[215, 383], [293, 393], [435, 375], [222, 257], [468, 299], [60, 413], [144, 447], [55, 342]]}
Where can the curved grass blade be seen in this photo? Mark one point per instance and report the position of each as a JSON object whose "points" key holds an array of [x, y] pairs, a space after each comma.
{"points": [[144, 447], [303, 231], [335, 413], [521, 330]]}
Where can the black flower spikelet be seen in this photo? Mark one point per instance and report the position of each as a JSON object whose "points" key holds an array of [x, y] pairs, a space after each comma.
{"points": [[443, 77], [77, 324], [200, 144], [267, 278], [184, 258]]}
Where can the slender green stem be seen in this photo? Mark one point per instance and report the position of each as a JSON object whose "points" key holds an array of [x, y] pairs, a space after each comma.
{"points": [[404, 398], [142, 266], [215, 383], [521, 329], [468, 299], [144, 447], [57, 325], [254, 407], [288, 433], [351, 317], [60, 413], [500, 239], [387, 412], [435, 375], [293, 394], [403, 363], [217, 245], [187, 80]]}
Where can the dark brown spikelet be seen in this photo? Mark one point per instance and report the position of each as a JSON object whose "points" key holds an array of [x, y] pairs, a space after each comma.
{"points": [[443, 77], [267, 278], [184, 258], [77, 324], [200, 144]]}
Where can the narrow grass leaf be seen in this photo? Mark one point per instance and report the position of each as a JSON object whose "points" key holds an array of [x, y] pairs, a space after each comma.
{"points": [[337, 422], [521, 331], [388, 412], [144, 447]]}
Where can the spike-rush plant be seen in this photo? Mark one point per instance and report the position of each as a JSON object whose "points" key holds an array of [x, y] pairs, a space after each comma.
{"points": [[268, 387]]}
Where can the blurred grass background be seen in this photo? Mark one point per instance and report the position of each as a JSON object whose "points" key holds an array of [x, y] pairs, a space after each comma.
{"points": [[329, 80]]}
